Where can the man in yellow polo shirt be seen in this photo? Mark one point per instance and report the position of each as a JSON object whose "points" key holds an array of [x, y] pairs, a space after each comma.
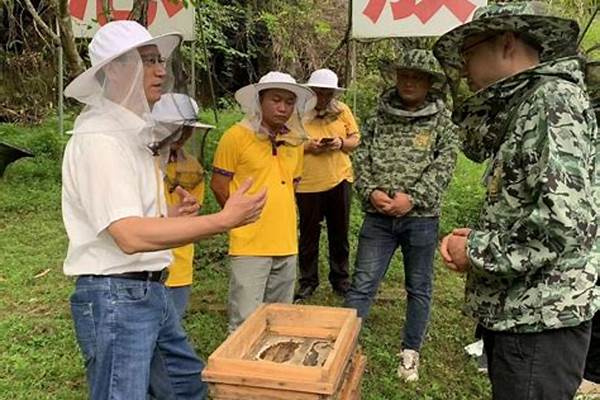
{"points": [[324, 192], [267, 146]]}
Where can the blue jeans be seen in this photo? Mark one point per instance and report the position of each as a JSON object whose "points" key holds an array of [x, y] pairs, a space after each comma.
{"points": [[123, 327], [180, 296], [379, 238]]}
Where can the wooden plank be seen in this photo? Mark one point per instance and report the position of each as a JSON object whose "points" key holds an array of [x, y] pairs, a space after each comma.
{"points": [[307, 316], [228, 366], [350, 389], [241, 341], [263, 368], [343, 350], [222, 391], [351, 386], [283, 307], [303, 331], [324, 388]]}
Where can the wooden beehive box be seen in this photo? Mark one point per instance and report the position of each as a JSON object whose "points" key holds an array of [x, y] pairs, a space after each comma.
{"points": [[286, 351]]}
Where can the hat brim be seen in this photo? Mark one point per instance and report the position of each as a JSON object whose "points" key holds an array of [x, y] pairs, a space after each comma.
{"points": [[335, 88], [80, 86], [555, 35], [184, 122], [391, 68], [247, 95], [200, 125]]}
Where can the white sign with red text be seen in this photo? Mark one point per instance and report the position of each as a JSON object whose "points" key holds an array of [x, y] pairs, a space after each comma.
{"points": [[164, 16], [395, 18]]}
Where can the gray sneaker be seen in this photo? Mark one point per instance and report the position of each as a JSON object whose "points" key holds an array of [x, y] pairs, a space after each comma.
{"points": [[408, 369]]}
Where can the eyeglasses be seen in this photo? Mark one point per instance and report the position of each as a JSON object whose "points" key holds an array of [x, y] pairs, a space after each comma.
{"points": [[150, 60]]}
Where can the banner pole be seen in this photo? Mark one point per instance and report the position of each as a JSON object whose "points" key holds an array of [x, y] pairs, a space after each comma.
{"points": [[61, 115]]}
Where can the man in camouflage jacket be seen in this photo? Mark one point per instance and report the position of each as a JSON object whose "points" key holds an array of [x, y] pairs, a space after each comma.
{"points": [[530, 282], [591, 373], [403, 168]]}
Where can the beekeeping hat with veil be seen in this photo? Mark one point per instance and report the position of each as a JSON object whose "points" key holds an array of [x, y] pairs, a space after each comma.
{"points": [[249, 99], [177, 111], [127, 76], [533, 21]]}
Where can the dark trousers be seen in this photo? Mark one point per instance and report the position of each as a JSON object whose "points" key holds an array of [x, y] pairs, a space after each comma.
{"points": [[536, 366], [334, 206], [592, 363]]}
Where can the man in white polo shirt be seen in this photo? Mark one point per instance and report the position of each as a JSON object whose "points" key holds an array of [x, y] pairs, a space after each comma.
{"points": [[119, 226]]}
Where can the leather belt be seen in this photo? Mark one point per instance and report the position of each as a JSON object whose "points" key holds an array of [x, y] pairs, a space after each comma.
{"points": [[152, 276]]}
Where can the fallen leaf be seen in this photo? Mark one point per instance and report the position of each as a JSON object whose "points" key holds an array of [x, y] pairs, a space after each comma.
{"points": [[45, 272]]}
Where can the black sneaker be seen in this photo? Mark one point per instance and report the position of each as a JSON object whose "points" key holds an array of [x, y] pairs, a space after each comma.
{"points": [[341, 289], [304, 293]]}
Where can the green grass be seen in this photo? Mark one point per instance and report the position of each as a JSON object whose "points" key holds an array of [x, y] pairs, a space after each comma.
{"points": [[39, 358]]}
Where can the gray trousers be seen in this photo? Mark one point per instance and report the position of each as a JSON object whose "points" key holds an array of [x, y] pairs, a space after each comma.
{"points": [[257, 280]]}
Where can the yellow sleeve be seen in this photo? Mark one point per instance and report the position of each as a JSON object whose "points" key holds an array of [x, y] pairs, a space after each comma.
{"points": [[171, 198], [226, 155], [198, 192], [299, 164], [349, 121]]}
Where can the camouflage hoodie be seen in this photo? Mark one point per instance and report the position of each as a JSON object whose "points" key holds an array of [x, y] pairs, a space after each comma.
{"points": [[530, 256], [410, 152]]}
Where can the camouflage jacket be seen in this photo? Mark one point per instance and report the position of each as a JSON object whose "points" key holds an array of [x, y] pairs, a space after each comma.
{"points": [[531, 267], [409, 152]]}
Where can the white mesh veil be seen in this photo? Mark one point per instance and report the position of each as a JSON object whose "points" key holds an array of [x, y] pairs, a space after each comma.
{"points": [[295, 124], [124, 89], [249, 99], [179, 112], [127, 77]]}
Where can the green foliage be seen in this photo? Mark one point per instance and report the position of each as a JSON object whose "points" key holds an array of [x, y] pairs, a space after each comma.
{"points": [[47, 146], [464, 198], [217, 23], [363, 95], [303, 33]]}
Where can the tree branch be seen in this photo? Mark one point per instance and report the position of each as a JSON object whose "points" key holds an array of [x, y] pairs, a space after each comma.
{"points": [[39, 21]]}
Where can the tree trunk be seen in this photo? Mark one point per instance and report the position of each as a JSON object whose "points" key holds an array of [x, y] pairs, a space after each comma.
{"points": [[139, 12], [67, 38]]}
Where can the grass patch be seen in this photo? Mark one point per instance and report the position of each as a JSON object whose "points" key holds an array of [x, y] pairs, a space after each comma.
{"points": [[39, 358]]}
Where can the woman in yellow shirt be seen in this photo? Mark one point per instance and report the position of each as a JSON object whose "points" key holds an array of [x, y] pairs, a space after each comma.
{"points": [[182, 171], [325, 188]]}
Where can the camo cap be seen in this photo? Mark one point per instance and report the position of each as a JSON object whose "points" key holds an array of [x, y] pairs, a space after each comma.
{"points": [[556, 36], [415, 59]]}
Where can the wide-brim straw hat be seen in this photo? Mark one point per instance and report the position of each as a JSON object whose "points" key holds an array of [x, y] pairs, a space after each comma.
{"points": [[113, 40], [247, 96]]}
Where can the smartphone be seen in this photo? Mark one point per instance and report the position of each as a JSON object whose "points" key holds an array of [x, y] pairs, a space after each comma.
{"points": [[326, 140]]}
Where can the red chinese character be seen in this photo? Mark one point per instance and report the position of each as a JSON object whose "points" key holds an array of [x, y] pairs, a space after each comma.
{"points": [[77, 9], [424, 10]]}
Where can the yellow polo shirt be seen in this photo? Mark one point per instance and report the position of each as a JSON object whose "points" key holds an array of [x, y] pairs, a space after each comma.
{"points": [[189, 174], [242, 154], [324, 171]]}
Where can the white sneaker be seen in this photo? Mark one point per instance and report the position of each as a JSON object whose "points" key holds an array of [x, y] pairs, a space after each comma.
{"points": [[409, 365]]}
